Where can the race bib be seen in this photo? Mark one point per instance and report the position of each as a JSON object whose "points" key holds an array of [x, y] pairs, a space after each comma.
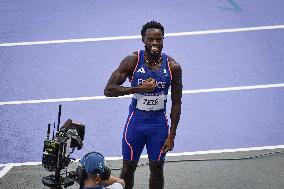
{"points": [[150, 103]]}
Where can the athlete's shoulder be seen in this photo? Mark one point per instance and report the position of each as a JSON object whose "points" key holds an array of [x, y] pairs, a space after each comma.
{"points": [[131, 58], [129, 62], [174, 65]]}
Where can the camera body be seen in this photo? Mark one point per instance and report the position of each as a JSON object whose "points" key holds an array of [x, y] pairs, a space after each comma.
{"points": [[57, 150]]}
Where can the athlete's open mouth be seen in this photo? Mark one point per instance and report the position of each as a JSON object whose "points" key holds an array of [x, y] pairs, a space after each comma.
{"points": [[154, 49]]}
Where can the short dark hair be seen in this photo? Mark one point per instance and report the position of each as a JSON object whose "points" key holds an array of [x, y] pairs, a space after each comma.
{"points": [[152, 24]]}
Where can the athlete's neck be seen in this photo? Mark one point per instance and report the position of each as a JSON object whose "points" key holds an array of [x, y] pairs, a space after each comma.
{"points": [[152, 60]]}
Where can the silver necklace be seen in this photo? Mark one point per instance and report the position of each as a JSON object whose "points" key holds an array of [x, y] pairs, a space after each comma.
{"points": [[155, 63]]}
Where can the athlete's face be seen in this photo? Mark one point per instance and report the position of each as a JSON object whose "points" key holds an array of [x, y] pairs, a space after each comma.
{"points": [[153, 41]]}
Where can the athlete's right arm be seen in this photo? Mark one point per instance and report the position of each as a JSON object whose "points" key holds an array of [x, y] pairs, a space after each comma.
{"points": [[114, 86]]}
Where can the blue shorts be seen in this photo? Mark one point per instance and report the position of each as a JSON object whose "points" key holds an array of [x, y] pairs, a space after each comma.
{"points": [[145, 128]]}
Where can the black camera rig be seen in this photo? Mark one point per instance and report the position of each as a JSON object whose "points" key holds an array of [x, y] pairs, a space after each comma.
{"points": [[57, 151]]}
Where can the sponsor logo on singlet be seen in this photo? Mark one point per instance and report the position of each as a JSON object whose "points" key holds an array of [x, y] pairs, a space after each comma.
{"points": [[141, 70]]}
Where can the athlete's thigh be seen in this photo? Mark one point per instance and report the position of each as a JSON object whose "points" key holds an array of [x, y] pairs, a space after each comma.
{"points": [[156, 136], [133, 139]]}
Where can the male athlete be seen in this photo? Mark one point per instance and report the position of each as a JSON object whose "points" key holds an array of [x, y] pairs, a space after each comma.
{"points": [[151, 73]]}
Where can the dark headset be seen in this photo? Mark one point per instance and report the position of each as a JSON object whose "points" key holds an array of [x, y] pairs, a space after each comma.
{"points": [[82, 174]]}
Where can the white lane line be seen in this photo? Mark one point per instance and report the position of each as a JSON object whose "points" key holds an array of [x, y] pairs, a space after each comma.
{"points": [[60, 100], [83, 40], [239, 88], [9, 166], [227, 150], [5, 170]]}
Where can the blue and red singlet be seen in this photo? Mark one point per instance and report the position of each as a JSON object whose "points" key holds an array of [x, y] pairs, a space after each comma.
{"points": [[147, 121]]}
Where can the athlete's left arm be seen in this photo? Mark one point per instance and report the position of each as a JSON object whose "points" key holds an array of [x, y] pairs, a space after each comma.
{"points": [[176, 95]]}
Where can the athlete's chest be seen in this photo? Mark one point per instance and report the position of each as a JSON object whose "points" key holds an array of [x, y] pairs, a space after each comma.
{"points": [[160, 75]]}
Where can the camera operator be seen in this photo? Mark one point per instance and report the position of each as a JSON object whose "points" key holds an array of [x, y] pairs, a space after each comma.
{"points": [[94, 174]]}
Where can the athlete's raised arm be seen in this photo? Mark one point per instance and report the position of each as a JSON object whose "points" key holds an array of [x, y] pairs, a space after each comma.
{"points": [[114, 86]]}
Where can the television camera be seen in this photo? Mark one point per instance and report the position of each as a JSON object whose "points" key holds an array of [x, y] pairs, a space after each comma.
{"points": [[57, 151]]}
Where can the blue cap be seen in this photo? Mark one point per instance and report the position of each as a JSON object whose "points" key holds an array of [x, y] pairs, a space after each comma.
{"points": [[93, 161]]}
